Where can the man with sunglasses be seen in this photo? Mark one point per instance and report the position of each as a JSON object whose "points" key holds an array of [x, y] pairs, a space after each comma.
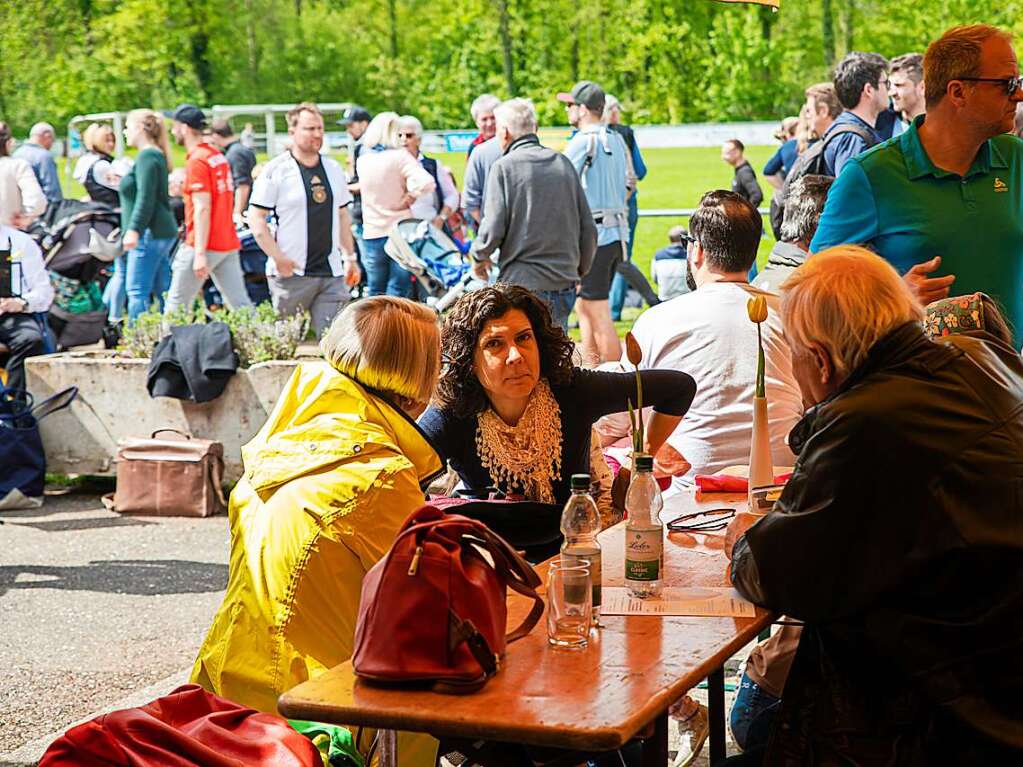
{"points": [[943, 202]]}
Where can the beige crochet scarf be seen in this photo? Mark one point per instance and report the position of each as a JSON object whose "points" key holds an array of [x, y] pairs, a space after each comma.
{"points": [[527, 455]]}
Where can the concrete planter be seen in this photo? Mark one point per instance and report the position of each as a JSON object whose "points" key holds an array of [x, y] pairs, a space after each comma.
{"points": [[113, 403]]}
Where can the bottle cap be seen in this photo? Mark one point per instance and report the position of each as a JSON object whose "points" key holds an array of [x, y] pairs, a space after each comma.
{"points": [[580, 482], [644, 462]]}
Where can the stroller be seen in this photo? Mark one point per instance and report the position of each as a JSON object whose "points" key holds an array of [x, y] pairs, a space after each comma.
{"points": [[442, 271], [78, 240]]}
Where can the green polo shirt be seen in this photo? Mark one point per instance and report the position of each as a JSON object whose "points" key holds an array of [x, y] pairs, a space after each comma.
{"points": [[893, 199]]}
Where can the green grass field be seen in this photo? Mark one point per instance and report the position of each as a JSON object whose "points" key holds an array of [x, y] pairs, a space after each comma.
{"points": [[676, 178]]}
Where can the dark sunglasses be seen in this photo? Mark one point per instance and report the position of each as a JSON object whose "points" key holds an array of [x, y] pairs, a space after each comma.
{"points": [[1011, 84], [407, 135], [705, 521]]}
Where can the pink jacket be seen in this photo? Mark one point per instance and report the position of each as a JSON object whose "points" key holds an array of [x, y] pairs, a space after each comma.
{"points": [[384, 179]]}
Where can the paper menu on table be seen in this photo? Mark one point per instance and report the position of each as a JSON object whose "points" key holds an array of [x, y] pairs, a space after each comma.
{"points": [[706, 602]]}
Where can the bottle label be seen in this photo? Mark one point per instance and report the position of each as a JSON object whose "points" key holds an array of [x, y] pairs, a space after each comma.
{"points": [[595, 570], [643, 555]]}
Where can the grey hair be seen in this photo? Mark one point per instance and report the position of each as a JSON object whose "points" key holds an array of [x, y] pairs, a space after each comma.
{"points": [[41, 129], [610, 102], [412, 123], [485, 103], [804, 203], [517, 115]]}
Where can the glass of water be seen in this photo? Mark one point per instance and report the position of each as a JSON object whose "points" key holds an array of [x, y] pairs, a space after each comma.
{"points": [[569, 603]]}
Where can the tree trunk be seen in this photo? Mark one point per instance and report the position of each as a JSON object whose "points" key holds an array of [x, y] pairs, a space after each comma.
{"points": [[828, 33], [504, 29], [848, 24], [252, 46], [392, 12]]}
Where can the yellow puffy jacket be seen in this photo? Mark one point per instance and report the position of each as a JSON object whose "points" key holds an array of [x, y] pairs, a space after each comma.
{"points": [[328, 481]]}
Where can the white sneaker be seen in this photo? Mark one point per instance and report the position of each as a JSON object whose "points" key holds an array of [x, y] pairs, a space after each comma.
{"points": [[693, 734]]}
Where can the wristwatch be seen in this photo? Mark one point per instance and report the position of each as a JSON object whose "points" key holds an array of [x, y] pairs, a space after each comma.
{"points": [[349, 258]]}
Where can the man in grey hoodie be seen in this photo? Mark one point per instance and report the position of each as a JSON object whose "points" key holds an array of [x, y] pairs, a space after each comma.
{"points": [[537, 225]]}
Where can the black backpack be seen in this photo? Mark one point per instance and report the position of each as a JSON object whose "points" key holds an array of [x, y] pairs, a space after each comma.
{"points": [[811, 163]]}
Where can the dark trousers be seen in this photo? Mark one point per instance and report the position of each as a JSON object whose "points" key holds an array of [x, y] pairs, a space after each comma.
{"points": [[21, 334]]}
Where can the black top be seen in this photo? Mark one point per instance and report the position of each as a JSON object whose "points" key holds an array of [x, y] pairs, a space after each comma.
{"points": [[590, 395], [319, 211], [744, 183], [242, 160], [97, 191]]}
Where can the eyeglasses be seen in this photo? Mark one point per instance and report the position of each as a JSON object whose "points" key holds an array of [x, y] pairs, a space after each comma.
{"points": [[407, 135], [1011, 84], [705, 521]]}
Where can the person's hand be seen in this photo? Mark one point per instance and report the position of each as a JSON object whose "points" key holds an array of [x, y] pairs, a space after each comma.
{"points": [[285, 267], [737, 528], [200, 266], [481, 269], [130, 241], [20, 221], [352, 273], [407, 200], [438, 222], [669, 462], [12, 305], [928, 289]]}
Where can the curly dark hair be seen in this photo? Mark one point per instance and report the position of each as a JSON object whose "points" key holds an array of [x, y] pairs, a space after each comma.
{"points": [[459, 391]]}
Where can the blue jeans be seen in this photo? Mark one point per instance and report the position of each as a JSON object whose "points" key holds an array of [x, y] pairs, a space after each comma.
{"points": [[752, 714], [114, 294], [383, 274], [560, 302], [148, 273]]}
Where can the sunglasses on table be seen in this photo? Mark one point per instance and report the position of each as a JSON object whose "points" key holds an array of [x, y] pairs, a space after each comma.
{"points": [[705, 521], [1011, 84]]}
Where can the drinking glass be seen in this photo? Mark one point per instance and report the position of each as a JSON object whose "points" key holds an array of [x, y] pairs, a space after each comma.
{"points": [[569, 603]]}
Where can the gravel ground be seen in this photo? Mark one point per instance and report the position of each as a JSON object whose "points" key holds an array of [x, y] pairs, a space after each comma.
{"points": [[95, 606]]}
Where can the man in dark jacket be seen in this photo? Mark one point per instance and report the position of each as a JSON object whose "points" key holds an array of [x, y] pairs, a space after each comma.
{"points": [[536, 221], [905, 509], [744, 182]]}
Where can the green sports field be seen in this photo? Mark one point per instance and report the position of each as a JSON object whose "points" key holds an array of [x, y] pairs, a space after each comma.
{"points": [[676, 178]]}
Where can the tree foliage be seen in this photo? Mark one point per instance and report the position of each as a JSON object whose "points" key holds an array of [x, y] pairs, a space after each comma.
{"points": [[667, 60]]}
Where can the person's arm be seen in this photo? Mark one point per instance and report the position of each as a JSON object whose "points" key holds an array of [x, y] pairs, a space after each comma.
{"points": [[637, 161], [449, 195], [832, 499], [147, 179], [241, 198], [842, 149], [441, 430], [348, 257], [37, 292], [51, 179], [473, 197], [104, 174], [202, 209], [262, 202], [33, 199], [494, 225], [668, 392], [773, 170], [850, 213], [417, 179], [752, 189]]}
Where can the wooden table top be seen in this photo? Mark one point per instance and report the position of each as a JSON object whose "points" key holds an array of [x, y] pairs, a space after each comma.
{"points": [[595, 699]]}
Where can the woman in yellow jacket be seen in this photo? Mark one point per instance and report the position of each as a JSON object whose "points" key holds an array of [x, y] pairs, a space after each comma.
{"points": [[329, 479]]}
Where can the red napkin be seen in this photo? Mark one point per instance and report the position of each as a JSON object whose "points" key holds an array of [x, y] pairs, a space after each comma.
{"points": [[727, 483]]}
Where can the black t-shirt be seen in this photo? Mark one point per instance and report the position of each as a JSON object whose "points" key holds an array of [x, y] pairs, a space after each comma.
{"points": [[242, 160], [319, 211]]}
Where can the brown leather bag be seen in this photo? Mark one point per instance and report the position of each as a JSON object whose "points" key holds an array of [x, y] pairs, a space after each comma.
{"points": [[433, 610], [169, 477]]}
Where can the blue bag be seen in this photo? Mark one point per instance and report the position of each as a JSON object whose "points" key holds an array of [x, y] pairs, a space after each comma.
{"points": [[22, 459]]}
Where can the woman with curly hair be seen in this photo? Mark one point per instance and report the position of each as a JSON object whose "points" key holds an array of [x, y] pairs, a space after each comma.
{"points": [[513, 412]]}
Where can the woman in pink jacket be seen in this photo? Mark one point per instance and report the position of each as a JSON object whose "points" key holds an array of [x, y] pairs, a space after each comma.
{"points": [[390, 180]]}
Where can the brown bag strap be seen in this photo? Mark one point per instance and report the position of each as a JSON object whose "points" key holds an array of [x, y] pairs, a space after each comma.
{"points": [[186, 435], [217, 479]]}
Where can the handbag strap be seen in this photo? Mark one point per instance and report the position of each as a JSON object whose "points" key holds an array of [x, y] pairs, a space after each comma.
{"points": [[175, 431], [58, 401]]}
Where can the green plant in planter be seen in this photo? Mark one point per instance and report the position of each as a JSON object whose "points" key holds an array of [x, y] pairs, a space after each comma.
{"points": [[257, 333]]}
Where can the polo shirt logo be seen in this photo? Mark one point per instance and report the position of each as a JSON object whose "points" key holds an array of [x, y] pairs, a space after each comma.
{"points": [[1000, 186]]}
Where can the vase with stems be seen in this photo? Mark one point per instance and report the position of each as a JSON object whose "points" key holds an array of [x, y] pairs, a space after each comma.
{"points": [[761, 470]]}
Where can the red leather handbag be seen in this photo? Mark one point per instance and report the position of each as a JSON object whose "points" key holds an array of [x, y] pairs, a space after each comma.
{"points": [[433, 610], [188, 728]]}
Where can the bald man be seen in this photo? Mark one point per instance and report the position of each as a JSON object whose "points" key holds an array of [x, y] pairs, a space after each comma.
{"points": [[36, 152]]}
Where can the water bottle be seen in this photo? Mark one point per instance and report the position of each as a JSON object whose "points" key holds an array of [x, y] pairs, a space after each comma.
{"points": [[580, 523], [644, 533]]}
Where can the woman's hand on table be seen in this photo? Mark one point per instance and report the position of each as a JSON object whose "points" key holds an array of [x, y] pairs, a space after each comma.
{"points": [[741, 522]]}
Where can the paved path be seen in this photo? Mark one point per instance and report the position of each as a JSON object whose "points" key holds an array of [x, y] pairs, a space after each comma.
{"points": [[96, 607]]}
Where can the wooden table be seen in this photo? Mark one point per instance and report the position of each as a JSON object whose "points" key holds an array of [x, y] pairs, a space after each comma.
{"points": [[595, 699]]}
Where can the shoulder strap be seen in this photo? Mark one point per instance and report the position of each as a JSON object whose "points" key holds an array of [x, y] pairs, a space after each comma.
{"points": [[841, 130]]}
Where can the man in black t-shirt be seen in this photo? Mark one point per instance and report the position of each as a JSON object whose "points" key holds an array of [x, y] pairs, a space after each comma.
{"points": [[241, 159], [744, 182]]}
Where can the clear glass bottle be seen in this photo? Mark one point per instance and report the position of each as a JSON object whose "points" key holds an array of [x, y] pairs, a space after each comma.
{"points": [[580, 523], [644, 533]]}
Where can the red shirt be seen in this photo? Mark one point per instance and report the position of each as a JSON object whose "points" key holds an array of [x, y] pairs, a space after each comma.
{"points": [[206, 170]]}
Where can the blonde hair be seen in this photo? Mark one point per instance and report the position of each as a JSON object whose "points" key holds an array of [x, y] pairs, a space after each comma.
{"points": [[383, 131], [388, 344], [954, 55], [93, 135], [845, 299], [154, 127]]}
